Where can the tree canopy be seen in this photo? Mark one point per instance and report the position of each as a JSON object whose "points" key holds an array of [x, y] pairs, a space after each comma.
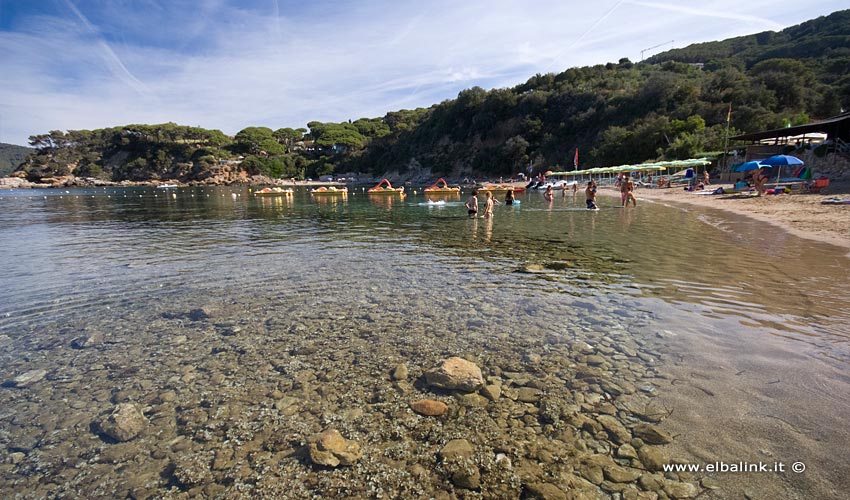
{"points": [[672, 105]]}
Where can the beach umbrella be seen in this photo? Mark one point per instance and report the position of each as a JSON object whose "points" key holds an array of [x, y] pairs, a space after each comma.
{"points": [[746, 167], [780, 160]]}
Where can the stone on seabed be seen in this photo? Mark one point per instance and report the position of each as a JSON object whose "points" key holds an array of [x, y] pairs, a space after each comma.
{"points": [[29, 378], [124, 423], [429, 407], [456, 374], [331, 449]]}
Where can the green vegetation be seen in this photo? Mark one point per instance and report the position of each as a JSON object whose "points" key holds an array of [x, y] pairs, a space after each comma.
{"points": [[11, 156], [673, 105]]}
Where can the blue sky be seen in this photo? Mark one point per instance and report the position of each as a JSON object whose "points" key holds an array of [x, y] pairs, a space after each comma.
{"points": [[86, 64]]}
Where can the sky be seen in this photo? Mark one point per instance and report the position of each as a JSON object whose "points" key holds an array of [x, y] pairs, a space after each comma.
{"points": [[226, 64]]}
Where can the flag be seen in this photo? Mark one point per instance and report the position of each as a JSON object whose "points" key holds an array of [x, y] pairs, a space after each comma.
{"points": [[575, 159], [729, 114]]}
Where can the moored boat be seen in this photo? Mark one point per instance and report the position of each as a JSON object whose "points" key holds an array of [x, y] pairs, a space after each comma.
{"points": [[501, 189], [384, 187], [275, 191], [329, 191], [441, 187]]}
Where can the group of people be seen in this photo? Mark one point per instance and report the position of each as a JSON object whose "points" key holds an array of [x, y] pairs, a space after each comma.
{"points": [[489, 203], [627, 195]]}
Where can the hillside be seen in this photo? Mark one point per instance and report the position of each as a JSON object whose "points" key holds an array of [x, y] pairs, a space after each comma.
{"points": [[674, 105], [11, 156]]}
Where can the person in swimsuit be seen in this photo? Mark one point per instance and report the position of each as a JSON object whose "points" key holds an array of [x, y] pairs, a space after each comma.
{"points": [[758, 181], [472, 204], [590, 195], [488, 205], [509, 197], [549, 195], [628, 191]]}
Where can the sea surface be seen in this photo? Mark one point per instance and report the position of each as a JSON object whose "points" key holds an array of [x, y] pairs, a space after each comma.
{"points": [[140, 265]]}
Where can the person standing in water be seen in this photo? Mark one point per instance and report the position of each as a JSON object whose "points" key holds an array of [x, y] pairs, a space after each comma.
{"points": [[627, 191], [472, 204], [509, 197], [549, 195], [590, 196], [488, 205]]}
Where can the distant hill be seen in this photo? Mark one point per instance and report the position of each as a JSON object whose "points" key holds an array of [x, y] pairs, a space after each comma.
{"points": [[671, 106], [11, 156], [822, 45]]}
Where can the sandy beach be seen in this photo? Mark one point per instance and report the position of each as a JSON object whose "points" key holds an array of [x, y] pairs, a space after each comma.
{"points": [[800, 214]]}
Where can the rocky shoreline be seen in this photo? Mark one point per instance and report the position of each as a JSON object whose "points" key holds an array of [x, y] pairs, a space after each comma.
{"points": [[65, 182], [230, 408]]}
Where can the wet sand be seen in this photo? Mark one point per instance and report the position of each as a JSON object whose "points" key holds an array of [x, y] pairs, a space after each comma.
{"points": [[800, 214], [736, 399]]}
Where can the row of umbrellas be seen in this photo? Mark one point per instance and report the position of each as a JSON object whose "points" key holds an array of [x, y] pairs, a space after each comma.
{"points": [[639, 167]]}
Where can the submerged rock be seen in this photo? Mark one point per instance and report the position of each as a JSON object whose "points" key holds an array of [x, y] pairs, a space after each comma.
{"points": [[456, 374], [27, 379], [456, 449], [123, 424], [652, 434], [331, 449], [468, 478], [543, 491], [399, 372], [87, 341], [652, 458], [429, 407]]}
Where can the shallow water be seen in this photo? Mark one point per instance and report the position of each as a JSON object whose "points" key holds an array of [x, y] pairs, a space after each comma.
{"points": [[424, 279]]}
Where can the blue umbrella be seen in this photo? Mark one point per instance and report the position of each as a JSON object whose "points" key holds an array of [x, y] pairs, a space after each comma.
{"points": [[780, 160], [746, 167]]}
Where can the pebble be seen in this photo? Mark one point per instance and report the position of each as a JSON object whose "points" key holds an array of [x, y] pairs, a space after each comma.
{"points": [[652, 458], [28, 379], [429, 407], [491, 391], [399, 372], [456, 373], [468, 477], [456, 449], [679, 490], [124, 423], [543, 491], [652, 434], [332, 450]]}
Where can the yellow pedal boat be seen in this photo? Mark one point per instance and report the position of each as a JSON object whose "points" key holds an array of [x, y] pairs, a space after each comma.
{"points": [[275, 191], [436, 188], [388, 189], [329, 191]]}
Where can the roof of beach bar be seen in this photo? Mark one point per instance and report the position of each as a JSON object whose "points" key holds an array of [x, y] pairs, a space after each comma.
{"points": [[836, 126]]}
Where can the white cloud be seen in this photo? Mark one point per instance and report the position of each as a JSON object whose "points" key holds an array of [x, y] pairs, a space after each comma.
{"points": [[217, 66]]}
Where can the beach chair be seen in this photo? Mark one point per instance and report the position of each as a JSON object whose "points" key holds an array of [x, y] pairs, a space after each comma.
{"points": [[817, 185]]}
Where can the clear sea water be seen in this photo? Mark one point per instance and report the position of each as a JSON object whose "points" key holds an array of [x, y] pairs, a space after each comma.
{"points": [[89, 254], [137, 264]]}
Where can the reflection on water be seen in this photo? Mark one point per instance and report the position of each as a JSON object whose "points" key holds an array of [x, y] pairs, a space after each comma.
{"points": [[56, 240]]}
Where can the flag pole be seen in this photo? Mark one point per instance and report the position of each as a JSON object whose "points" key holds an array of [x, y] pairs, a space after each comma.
{"points": [[726, 140]]}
